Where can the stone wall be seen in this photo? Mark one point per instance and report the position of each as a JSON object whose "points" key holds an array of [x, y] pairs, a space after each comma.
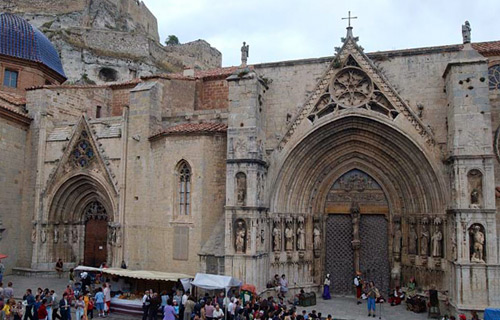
{"points": [[15, 240]]}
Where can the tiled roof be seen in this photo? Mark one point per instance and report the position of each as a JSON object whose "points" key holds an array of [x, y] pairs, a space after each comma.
{"points": [[114, 85], [198, 128], [13, 111], [12, 98], [20, 39], [487, 48]]}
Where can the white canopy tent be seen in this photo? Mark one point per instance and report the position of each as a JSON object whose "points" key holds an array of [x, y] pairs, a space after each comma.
{"points": [[213, 282]]}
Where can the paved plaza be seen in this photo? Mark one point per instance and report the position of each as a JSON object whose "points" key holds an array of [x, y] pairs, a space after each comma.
{"points": [[344, 308]]}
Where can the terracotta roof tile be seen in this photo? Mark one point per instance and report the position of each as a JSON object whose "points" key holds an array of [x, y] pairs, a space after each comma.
{"points": [[189, 128], [14, 110], [88, 86], [12, 98], [487, 48]]}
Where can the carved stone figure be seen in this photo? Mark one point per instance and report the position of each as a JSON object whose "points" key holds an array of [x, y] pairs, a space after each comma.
{"points": [[74, 235], [56, 234], [412, 241], [288, 238], [65, 235], [43, 236], [316, 238], [277, 238], [241, 233], [33, 234], [478, 244], [118, 239], [301, 237], [466, 29], [396, 243], [474, 198], [437, 238], [244, 54], [241, 188], [424, 241]]}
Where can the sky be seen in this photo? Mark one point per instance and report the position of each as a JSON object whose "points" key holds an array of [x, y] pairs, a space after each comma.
{"points": [[279, 30]]}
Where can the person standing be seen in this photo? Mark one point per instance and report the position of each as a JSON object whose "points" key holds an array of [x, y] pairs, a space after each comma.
{"points": [[188, 308], [65, 307], [372, 295], [99, 302], [283, 286], [153, 306], [358, 283], [107, 298], [168, 311], [42, 310], [8, 292], [146, 300], [2, 270], [55, 305], [79, 306], [326, 288], [30, 300]]}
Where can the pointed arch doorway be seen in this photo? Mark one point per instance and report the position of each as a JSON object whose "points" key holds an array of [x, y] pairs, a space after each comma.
{"points": [[356, 232], [96, 234]]}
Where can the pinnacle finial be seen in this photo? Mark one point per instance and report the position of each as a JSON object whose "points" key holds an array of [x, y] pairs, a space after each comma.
{"points": [[466, 29], [244, 54]]}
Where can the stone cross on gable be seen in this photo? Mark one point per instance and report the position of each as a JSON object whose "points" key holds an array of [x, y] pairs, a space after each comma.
{"points": [[348, 18]]}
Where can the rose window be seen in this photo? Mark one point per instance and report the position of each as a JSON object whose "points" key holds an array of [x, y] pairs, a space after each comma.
{"points": [[351, 87], [83, 152]]}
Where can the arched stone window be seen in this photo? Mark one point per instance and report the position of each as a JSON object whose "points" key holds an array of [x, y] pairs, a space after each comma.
{"points": [[494, 77], [184, 187]]}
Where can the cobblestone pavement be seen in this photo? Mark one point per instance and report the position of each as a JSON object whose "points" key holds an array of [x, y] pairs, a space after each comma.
{"points": [[344, 308]]}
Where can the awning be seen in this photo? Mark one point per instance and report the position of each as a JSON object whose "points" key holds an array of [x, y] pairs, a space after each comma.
{"points": [[212, 281], [88, 269], [145, 274]]}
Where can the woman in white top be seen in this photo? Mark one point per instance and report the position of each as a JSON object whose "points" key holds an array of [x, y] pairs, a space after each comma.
{"points": [[326, 288]]}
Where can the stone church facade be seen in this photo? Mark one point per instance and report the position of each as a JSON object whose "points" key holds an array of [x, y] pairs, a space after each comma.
{"points": [[384, 163]]}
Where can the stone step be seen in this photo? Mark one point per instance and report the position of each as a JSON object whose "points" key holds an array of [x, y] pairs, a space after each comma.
{"points": [[35, 273]]}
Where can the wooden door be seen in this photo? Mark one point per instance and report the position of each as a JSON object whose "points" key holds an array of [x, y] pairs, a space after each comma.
{"points": [[96, 235]]}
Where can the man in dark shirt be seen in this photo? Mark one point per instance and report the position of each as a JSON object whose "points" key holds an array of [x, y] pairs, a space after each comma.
{"points": [[65, 307], [154, 304], [30, 300]]}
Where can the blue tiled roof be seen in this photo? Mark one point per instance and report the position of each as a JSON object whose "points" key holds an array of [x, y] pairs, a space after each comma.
{"points": [[20, 39]]}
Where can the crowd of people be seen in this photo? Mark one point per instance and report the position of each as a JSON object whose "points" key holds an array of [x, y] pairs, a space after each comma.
{"points": [[178, 306], [45, 304]]}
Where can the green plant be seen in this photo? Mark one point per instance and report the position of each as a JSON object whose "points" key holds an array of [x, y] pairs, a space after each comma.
{"points": [[172, 40]]}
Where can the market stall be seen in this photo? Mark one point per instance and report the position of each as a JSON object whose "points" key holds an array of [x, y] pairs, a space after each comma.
{"points": [[128, 286]]}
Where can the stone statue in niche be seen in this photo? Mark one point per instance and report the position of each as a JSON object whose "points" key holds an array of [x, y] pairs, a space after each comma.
{"points": [[241, 188], [316, 238], [33, 234], [276, 237], [241, 233], [466, 30], [43, 235], [412, 240], [475, 182], [118, 239], [437, 238], [474, 199], [424, 241], [65, 235], [288, 237], [396, 242], [56, 234], [74, 234], [477, 248], [301, 237]]}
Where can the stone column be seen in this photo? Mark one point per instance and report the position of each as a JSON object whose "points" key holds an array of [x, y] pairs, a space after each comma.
{"points": [[471, 161], [246, 255]]}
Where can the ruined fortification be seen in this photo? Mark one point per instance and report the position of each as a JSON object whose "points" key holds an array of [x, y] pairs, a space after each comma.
{"points": [[110, 40]]}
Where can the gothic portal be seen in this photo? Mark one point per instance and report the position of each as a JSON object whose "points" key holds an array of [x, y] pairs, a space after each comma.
{"points": [[356, 232]]}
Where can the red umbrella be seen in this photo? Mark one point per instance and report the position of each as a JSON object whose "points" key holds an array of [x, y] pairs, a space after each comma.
{"points": [[249, 287], [3, 256]]}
